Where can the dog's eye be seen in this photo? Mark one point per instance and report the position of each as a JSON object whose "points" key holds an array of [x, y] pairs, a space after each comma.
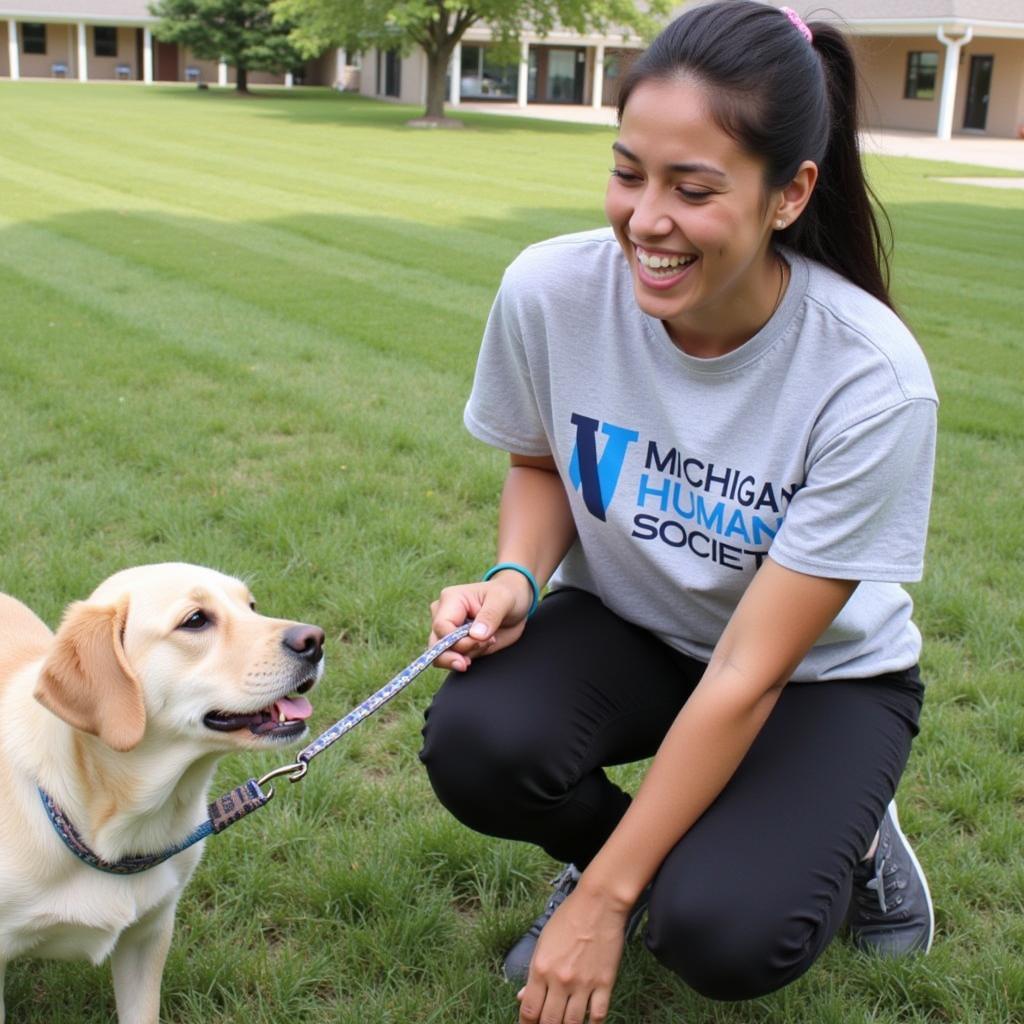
{"points": [[195, 621]]}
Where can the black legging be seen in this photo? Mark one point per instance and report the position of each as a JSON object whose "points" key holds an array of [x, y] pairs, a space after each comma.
{"points": [[755, 890]]}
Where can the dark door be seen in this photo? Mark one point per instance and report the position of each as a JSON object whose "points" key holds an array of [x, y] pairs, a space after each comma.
{"points": [[393, 74], [166, 62], [389, 73], [978, 88]]}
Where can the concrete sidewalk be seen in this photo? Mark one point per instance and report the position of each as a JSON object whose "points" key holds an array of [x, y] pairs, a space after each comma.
{"points": [[982, 150], [962, 149]]}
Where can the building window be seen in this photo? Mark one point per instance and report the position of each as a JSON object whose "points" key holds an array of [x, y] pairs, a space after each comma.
{"points": [[33, 37], [922, 68], [483, 78], [104, 41]]}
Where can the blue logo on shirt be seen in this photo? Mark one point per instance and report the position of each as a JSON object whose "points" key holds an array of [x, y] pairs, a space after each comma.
{"points": [[597, 478]]}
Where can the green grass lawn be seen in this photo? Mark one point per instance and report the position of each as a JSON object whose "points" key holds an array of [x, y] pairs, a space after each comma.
{"points": [[240, 332]]}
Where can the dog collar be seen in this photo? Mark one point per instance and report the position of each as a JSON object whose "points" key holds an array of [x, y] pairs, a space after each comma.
{"points": [[220, 814]]}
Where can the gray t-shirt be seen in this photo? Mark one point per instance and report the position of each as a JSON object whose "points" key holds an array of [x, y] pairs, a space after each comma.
{"points": [[812, 442]]}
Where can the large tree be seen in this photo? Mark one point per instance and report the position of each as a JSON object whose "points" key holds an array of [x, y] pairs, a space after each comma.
{"points": [[437, 25], [245, 33]]}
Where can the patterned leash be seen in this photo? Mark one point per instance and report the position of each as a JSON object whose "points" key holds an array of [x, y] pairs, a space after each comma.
{"points": [[250, 796]]}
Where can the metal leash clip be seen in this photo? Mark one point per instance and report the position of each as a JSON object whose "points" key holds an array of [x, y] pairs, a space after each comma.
{"points": [[297, 770]]}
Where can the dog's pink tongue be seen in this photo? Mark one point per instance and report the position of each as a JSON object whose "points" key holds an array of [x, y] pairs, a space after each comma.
{"points": [[293, 709]]}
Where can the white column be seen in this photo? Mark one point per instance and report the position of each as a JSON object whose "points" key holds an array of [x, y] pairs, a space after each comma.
{"points": [[83, 54], [289, 80], [524, 74], [222, 73], [340, 64], [147, 56], [597, 92], [455, 76], [947, 98], [12, 49]]}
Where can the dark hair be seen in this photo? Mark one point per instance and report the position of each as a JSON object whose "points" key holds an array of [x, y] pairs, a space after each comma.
{"points": [[784, 100]]}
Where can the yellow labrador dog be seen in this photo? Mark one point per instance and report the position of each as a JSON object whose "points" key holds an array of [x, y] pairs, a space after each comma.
{"points": [[120, 718]]}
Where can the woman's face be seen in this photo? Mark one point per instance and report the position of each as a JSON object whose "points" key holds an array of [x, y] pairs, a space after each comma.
{"points": [[689, 209]]}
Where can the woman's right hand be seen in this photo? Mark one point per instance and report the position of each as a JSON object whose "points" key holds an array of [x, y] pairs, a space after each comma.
{"points": [[498, 607]]}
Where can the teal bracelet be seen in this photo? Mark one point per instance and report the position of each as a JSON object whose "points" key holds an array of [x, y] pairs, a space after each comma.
{"points": [[520, 569]]}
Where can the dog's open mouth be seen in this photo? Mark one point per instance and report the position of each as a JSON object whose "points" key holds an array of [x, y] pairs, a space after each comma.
{"points": [[283, 718]]}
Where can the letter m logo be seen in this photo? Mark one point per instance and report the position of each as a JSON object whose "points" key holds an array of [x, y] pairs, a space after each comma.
{"points": [[597, 478]]}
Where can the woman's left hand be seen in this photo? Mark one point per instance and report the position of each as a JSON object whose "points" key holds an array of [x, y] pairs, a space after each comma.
{"points": [[575, 963]]}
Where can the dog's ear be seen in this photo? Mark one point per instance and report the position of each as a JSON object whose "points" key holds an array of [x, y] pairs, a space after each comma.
{"points": [[87, 681]]}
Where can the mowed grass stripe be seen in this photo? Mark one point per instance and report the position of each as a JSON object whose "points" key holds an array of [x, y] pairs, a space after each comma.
{"points": [[472, 250], [431, 159], [208, 311], [410, 172], [133, 220]]}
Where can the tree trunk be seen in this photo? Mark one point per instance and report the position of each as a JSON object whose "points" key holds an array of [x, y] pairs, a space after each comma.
{"points": [[242, 80], [437, 69]]}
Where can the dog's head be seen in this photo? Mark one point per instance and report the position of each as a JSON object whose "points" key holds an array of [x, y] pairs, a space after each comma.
{"points": [[179, 651]]}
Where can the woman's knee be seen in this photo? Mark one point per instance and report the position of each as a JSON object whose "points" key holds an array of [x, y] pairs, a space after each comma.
{"points": [[479, 759], [726, 955]]}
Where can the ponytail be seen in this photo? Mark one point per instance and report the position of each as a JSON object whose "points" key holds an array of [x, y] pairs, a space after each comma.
{"points": [[784, 100], [839, 226]]}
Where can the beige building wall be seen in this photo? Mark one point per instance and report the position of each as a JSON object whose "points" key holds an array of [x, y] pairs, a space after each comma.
{"points": [[265, 78], [413, 85], [255, 77], [883, 65], [368, 79], [323, 69], [208, 71], [106, 67], [60, 49], [1020, 109], [414, 78], [883, 68], [207, 68]]}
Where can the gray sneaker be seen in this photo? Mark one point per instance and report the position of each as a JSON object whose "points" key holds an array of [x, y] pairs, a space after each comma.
{"points": [[516, 966], [891, 910]]}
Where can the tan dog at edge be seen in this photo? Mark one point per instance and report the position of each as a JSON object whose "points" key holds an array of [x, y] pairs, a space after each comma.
{"points": [[121, 717]]}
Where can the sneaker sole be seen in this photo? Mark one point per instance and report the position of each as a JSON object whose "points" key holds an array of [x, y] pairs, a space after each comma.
{"points": [[920, 874]]}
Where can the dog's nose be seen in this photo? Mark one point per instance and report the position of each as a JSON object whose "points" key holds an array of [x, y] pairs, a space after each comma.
{"points": [[305, 641]]}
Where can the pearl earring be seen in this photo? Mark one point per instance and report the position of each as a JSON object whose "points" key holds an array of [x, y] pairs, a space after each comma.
{"points": [[780, 224]]}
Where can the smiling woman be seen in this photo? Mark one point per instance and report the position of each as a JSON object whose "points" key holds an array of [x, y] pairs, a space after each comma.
{"points": [[736, 316], [689, 210]]}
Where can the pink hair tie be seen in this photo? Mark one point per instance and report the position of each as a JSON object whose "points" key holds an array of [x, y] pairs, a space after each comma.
{"points": [[798, 23]]}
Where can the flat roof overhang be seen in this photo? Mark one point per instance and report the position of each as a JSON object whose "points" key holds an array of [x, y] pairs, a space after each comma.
{"points": [[930, 26], [66, 17]]}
